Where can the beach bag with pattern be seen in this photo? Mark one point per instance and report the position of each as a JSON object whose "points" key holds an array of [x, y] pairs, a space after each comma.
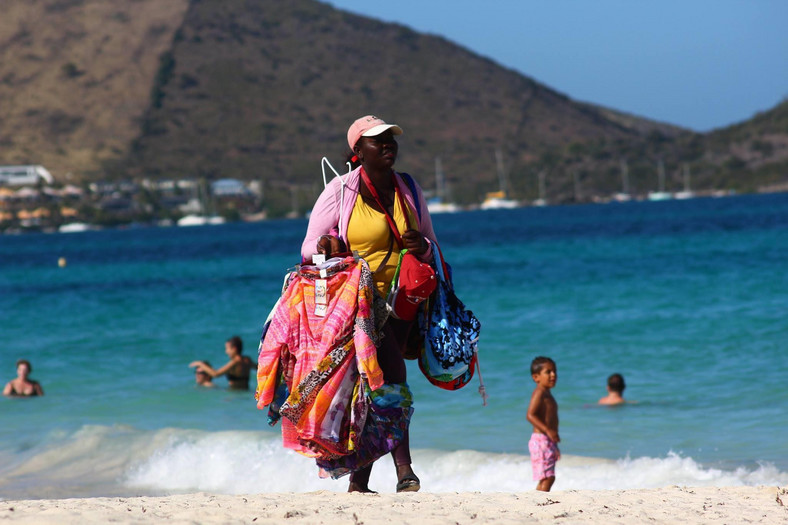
{"points": [[451, 334]]}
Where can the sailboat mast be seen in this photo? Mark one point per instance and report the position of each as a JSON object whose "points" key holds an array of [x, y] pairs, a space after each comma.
{"points": [[294, 200], [576, 179], [624, 177], [501, 174], [440, 189]]}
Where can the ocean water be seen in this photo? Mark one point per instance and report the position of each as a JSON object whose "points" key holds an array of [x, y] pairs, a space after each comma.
{"points": [[687, 299]]}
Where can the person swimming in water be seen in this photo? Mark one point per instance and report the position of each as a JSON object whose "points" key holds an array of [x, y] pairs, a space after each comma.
{"points": [[237, 368], [23, 386], [203, 378], [615, 391]]}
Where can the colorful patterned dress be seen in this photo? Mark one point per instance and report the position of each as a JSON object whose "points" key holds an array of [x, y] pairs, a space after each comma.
{"points": [[318, 369]]}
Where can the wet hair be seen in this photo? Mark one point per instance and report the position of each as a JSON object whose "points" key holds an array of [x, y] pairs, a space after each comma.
{"points": [[538, 363], [616, 383], [198, 371], [236, 343], [24, 362]]}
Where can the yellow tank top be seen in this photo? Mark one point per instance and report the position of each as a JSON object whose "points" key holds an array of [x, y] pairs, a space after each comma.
{"points": [[369, 233]]}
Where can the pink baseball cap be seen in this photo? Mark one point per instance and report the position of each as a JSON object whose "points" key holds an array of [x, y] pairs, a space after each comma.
{"points": [[369, 126]]}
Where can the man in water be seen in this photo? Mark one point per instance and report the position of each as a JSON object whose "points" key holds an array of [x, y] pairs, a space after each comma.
{"points": [[615, 391]]}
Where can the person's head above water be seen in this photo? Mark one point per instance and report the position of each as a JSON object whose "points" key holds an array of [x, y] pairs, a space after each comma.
{"points": [[234, 346], [615, 391], [201, 377], [24, 372], [615, 383]]}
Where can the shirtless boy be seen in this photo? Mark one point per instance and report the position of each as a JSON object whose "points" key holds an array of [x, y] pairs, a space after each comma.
{"points": [[543, 415]]}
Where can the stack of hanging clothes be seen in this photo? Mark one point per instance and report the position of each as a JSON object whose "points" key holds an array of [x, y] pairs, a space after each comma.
{"points": [[318, 369]]}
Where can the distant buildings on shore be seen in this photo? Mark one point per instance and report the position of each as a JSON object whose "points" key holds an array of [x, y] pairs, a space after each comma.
{"points": [[24, 175], [31, 200]]}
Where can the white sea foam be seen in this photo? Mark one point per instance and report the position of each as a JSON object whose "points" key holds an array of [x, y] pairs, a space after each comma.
{"points": [[123, 461]]}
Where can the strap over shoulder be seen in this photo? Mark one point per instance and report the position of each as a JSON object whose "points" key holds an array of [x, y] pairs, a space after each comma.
{"points": [[412, 187]]}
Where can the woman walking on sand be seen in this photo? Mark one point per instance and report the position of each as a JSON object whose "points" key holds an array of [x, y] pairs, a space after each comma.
{"points": [[375, 212]]}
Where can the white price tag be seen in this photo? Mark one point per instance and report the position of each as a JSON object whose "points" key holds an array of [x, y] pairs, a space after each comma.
{"points": [[321, 291]]}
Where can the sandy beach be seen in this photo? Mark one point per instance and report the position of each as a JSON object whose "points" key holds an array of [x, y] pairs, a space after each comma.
{"points": [[674, 504]]}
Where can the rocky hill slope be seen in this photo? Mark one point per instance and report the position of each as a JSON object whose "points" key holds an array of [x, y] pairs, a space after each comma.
{"points": [[262, 89], [75, 78]]}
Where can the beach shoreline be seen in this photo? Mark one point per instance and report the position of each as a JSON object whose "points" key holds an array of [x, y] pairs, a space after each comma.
{"points": [[674, 504]]}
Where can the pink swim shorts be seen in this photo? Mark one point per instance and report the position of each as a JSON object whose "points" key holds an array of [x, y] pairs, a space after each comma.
{"points": [[544, 454]]}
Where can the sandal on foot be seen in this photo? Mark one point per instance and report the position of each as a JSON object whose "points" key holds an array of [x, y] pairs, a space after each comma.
{"points": [[409, 483]]}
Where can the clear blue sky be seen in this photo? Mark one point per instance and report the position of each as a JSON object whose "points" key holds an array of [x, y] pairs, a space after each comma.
{"points": [[700, 64]]}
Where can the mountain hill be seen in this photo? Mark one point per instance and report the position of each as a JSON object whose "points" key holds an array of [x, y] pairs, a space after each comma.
{"points": [[75, 78], [262, 89], [757, 147]]}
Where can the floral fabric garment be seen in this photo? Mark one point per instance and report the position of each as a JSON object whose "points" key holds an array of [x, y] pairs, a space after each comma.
{"points": [[320, 372], [388, 414]]}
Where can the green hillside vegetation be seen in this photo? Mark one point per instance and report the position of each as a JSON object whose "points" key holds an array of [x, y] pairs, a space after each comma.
{"points": [[752, 154], [261, 90]]}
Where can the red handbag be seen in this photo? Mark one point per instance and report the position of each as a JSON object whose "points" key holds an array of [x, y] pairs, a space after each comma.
{"points": [[415, 283]]}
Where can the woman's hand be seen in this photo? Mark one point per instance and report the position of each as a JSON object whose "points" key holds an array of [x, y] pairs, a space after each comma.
{"points": [[328, 245], [415, 242]]}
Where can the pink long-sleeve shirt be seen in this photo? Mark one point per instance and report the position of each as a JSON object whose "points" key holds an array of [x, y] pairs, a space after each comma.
{"points": [[331, 213]]}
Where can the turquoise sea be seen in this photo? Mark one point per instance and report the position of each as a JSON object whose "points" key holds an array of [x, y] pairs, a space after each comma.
{"points": [[687, 299]]}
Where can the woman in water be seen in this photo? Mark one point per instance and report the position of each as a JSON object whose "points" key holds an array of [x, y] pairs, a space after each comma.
{"points": [[237, 368], [23, 386]]}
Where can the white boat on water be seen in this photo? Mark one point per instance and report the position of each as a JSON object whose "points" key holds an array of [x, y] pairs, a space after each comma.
{"points": [[621, 197], [497, 200], [204, 203], [437, 204], [74, 227], [624, 195], [660, 195], [200, 220], [687, 193]]}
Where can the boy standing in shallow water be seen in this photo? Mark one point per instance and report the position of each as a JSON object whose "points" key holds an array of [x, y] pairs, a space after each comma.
{"points": [[543, 415]]}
